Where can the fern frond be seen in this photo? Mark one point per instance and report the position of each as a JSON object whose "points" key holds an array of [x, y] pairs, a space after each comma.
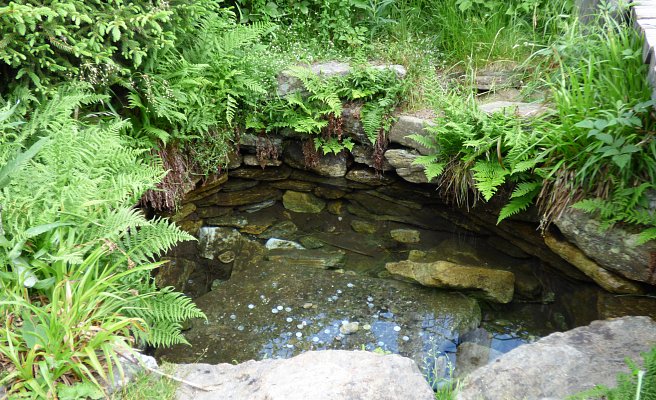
{"points": [[489, 176]]}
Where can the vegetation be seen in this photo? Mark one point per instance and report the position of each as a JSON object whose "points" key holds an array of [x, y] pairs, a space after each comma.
{"points": [[164, 89]]}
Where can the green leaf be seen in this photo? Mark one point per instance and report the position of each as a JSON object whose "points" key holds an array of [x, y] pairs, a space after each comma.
{"points": [[621, 160]]}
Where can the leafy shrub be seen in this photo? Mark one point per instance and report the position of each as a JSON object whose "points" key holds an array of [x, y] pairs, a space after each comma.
{"points": [[44, 42]]}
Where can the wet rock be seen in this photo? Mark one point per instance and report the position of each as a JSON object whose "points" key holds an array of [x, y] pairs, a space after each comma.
{"points": [[282, 229], [175, 273], [266, 174], [302, 202], [311, 242], [610, 306], [328, 193], [297, 186], [308, 258], [514, 108], [237, 185], [252, 161], [322, 299], [352, 123], [606, 279], [344, 375], [407, 125], [495, 285], [191, 227], [227, 257], [563, 364], [231, 221], [255, 195], [340, 182], [615, 249], [349, 328], [471, 356], [368, 177], [365, 155], [507, 247], [405, 235], [211, 185], [336, 207], [183, 212], [213, 241], [255, 229], [252, 208], [212, 212], [275, 244], [360, 226], [403, 162], [329, 165]]}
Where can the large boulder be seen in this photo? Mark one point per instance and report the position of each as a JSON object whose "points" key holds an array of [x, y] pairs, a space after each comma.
{"points": [[616, 249], [330, 165], [316, 375], [495, 285], [563, 364]]}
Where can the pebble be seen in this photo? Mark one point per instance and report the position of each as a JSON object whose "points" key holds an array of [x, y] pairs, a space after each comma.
{"points": [[251, 306], [288, 309], [308, 305], [327, 331], [274, 310], [334, 298], [350, 285], [233, 317], [397, 328], [299, 326], [240, 328], [370, 298], [366, 327], [315, 339], [299, 334], [279, 308], [405, 338], [349, 328], [370, 305], [339, 291], [290, 346], [381, 344]]}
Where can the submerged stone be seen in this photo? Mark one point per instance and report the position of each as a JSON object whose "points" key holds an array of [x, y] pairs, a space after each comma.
{"points": [[302, 202], [360, 226], [405, 235], [495, 285], [307, 258]]}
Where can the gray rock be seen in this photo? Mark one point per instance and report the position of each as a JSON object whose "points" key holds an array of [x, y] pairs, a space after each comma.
{"points": [[402, 160], [494, 285], [266, 174], [252, 142], [252, 161], [311, 242], [251, 208], [515, 108], [348, 328], [471, 356], [321, 259], [316, 375], [352, 124], [231, 221], [330, 165], [405, 235], [274, 244], [563, 364], [495, 80], [363, 226], [302, 202], [368, 176], [213, 241], [365, 155], [282, 229], [615, 249], [410, 125]]}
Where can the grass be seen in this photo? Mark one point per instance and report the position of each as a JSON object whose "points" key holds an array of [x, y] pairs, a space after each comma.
{"points": [[150, 386]]}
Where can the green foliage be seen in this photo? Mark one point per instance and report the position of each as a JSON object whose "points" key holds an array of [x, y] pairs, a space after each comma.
{"points": [[77, 258], [639, 384], [44, 42]]}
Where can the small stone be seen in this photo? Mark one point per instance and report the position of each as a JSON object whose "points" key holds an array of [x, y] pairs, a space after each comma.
{"points": [[405, 338], [307, 306], [349, 328], [289, 319], [251, 306], [288, 309], [274, 310], [227, 257], [366, 327], [233, 317], [302, 202], [369, 298], [336, 207], [273, 244], [397, 329], [310, 242], [315, 339], [363, 226], [280, 308], [300, 326], [240, 328], [349, 285], [405, 235], [299, 334]]}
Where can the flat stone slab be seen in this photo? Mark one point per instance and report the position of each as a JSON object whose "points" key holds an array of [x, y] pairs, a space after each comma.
{"points": [[315, 375], [563, 364], [519, 109], [408, 125]]}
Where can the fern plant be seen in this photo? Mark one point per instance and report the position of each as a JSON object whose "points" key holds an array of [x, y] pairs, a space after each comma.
{"points": [[67, 215]]}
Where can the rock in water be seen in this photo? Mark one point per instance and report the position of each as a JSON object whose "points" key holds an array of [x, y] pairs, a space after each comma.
{"points": [[360, 226], [405, 235], [495, 285], [273, 244], [563, 364], [308, 258], [302, 202], [315, 375]]}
